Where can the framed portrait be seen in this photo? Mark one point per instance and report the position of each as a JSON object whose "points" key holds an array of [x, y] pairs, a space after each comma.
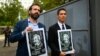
{"points": [[65, 41], [36, 42]]}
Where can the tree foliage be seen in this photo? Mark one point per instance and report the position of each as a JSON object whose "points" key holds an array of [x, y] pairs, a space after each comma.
{"points": [[9, 12], [49, 4]]}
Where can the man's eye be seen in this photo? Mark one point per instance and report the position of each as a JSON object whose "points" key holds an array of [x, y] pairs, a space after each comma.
{"points": [[63, 14]]}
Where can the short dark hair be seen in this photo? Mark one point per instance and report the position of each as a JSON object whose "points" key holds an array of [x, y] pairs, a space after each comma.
{"points": [[60, 10], [30, 8]]}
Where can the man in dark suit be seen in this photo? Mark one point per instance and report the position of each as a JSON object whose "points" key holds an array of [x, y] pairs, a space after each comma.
{"points": [[26, 25], [53, 36]]}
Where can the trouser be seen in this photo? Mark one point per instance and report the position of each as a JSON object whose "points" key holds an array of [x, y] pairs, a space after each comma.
{"points": [[6, 41]]}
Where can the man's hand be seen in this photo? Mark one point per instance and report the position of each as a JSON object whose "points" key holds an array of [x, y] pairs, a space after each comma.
{"points": [[62, 53], [73, 54], [27, 29]]}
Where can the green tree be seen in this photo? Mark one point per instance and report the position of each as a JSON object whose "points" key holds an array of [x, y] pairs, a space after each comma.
{"points": [[9, 12], [49, 4]]}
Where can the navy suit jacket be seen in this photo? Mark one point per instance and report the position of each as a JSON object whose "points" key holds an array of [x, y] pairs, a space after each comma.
{"points": [[53, 39], [17, 36]]}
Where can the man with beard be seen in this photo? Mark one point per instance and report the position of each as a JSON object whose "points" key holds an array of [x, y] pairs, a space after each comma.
{"points": [[22, 26]]}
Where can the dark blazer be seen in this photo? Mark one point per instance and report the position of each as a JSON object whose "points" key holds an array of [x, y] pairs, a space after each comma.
{"points": [[17, 36], [53, 39]]}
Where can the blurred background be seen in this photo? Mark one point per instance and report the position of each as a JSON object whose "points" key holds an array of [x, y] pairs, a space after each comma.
{"points": [[83, 17], [11, 11]]}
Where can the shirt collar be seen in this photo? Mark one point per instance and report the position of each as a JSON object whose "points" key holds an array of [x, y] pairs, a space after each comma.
{"points": [[31, 22], [60, 25]]}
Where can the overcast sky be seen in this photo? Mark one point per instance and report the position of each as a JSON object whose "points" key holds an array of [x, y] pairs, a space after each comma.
{"points": [[25, 3]]}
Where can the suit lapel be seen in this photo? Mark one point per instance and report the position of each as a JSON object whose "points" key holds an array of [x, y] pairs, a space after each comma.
{"points": [[66, 26], [25, 24], [40, 25], [57, 26]]}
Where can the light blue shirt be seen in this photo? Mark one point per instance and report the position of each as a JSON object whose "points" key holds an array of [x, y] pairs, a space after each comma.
{"points": [[33, 25]]}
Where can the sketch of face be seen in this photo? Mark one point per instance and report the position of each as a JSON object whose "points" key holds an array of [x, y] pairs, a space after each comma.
{"points": [[66, 38], [36, 40]]}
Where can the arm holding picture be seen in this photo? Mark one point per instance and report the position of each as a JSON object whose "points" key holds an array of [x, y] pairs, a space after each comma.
{"points": [[29, 24]]}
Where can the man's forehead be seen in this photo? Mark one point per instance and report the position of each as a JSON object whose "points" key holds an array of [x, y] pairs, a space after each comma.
{"points": [[35, 6], [62, 11]]}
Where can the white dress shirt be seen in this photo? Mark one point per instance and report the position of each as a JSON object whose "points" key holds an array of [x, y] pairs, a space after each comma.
{"points": [[60, 25]]}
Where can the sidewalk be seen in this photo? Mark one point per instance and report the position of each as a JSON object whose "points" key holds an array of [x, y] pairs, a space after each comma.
{"points": [[7, 51], [1, 37]]}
